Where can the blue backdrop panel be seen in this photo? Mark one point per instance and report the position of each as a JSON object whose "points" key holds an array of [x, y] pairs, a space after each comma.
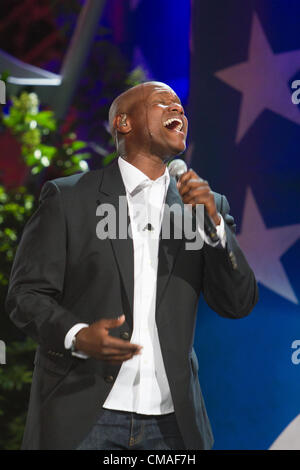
{"points": [[244, 136], [160, 35]]}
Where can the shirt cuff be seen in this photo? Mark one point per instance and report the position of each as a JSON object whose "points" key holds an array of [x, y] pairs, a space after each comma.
{"points": [[69, 338], [220, 232]]}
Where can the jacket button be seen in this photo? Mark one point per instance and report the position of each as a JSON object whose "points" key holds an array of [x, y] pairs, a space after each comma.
{"points": [[233, 260], [124, 335], [109, 379]]}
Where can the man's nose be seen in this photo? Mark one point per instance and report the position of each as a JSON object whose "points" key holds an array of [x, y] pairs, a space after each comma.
{"points": [[176, 107]]}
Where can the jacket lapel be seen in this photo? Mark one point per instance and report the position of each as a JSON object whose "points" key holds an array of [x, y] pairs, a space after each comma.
{"points": [[111, 187], [168, 247]]}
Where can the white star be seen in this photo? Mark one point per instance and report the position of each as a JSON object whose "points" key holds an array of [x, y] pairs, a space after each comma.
{"points": [[264, 246], [288, 439], [263, 80]]}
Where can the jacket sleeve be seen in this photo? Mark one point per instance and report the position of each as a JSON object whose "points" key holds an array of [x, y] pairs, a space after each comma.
{"points": [[37, 277], [229, 286]]}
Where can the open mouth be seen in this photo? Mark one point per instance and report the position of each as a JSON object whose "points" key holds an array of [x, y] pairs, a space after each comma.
{"points": [[173, 124]]}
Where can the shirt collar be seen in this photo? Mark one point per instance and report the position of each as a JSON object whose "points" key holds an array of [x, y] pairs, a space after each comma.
{"points": [[134, 178]]}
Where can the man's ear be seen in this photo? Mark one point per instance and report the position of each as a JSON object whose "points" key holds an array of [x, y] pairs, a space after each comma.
{"points": [[122, 123]]}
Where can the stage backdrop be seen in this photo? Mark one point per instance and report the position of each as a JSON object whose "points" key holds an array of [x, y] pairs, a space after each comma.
{"points": [[245, 138]]}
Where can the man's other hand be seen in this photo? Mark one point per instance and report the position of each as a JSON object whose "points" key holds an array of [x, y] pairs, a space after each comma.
{"points": [[96, 341]]}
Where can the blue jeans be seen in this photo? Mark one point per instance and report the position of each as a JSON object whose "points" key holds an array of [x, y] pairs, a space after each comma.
{"points": [[123, 430]]}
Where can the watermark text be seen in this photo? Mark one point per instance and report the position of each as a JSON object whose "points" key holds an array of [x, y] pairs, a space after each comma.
{"points": [[2, 352]]}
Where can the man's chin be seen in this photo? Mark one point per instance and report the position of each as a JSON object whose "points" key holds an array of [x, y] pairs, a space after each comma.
{"points": [[178, 149], [172, 148]]}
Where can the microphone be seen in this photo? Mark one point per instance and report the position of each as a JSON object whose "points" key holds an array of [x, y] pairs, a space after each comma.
{"points": [[177, 168]]}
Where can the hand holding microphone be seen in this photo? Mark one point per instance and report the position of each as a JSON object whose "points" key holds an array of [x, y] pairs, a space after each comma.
{"points": [[194, 190]]}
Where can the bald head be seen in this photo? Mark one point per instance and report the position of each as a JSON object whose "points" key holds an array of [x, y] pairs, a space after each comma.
{"points": [[125, 102], [139, 122]]}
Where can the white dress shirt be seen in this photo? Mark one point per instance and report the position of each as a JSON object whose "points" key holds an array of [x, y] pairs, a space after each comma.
{"points": [[142, 385]]}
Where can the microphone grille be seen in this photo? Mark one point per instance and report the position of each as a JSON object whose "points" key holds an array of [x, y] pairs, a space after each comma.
{"points": [[177, 168]]}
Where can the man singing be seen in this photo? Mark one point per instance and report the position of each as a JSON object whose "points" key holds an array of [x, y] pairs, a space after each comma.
{"points": [[114, 317]]}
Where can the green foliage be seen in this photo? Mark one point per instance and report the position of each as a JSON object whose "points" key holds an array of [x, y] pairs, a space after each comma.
{"points": [[15, 380], [15, 377], [109, 158], [136, 77], [16, 206], [35, 130], [43, 146]]}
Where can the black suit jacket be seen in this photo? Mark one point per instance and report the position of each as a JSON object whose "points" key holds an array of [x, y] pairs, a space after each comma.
{"points": [[64, 274]]}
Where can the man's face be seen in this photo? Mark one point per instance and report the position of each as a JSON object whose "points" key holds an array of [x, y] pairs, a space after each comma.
{"points": [[159, 117]]}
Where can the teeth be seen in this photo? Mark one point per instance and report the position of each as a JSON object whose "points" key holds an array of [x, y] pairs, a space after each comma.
{"points": [[169, 121]]}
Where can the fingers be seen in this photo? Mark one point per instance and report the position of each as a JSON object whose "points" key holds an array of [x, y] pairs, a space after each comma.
{"points": [[110, 348], [194, 190], [107, 351], [188, 175], [200, 196], [194, 184], [119, 358], [108, 323], [112, 342], [190, 185], [120, 344], [190, 179], [115, 356]]}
